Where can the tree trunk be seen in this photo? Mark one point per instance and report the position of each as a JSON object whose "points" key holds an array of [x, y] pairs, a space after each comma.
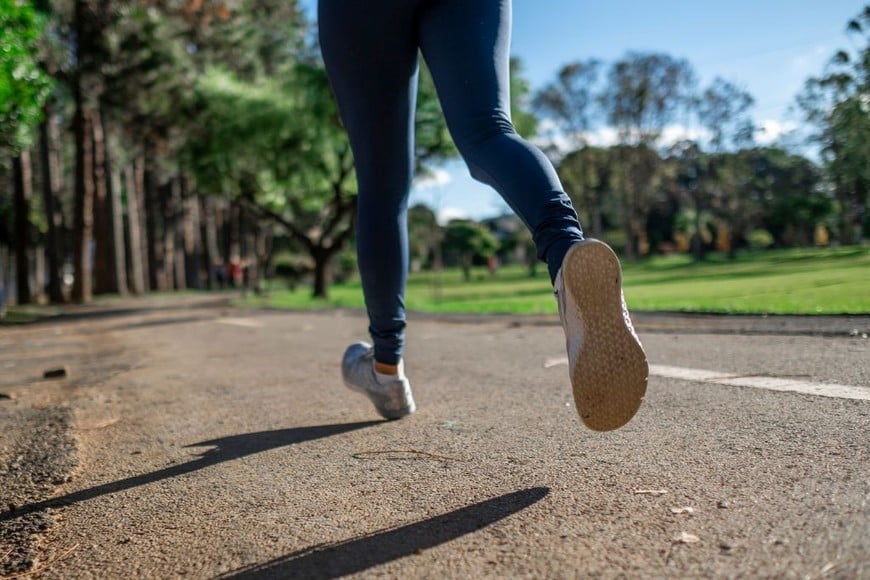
{"points": [[105, 281], [322, 272], [5, 275], [38, 277], [626, 206], [466, 267], [847, 237], [84, 196], [208, 233], [139, 173], [23, 178], [116, 220], [152, 210], [51, 184], [234, 233], [169, 205], [697, 240], [263, 258], [136, 271], [628, 230], [190, 236]]}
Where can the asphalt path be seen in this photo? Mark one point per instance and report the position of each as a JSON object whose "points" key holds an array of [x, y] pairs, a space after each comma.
{"points": [[190, 439]]}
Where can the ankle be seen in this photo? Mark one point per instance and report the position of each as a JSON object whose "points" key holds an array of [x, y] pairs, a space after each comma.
{"points": [[386, 369]]}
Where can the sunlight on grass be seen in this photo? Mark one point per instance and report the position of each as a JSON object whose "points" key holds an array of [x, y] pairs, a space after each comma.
{"points": [[805, 281]]}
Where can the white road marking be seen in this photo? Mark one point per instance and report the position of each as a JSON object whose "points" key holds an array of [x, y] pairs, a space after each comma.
{"points": [[555, 362], [752, 381], [246, 322], [761, 382]]}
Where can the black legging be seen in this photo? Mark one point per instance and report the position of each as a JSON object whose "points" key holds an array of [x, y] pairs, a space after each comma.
{"points": [[370, 48]]}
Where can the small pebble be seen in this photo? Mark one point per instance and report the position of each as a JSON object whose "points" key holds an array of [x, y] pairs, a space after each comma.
{"points": [[722, 505], [57, 373]]}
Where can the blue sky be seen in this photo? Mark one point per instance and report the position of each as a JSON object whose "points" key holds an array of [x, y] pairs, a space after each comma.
{"points": [[768, 47]]}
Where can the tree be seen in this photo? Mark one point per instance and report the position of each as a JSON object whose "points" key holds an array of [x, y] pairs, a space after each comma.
{"points": [[836, 104], [693, 179], [424, 235], [792, 201], [723, 112], [643, 95], [23, 89], [588, 174], [278, 145], [571, 103], [50, 165], [280, 149], [22, 171], [468, 240], [23, 85]]}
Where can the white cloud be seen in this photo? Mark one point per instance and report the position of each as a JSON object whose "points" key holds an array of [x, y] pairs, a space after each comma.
{"points": [[603, 137], [608, 136], [451, 213], [769, 130], [436, 178], [675, 133]]}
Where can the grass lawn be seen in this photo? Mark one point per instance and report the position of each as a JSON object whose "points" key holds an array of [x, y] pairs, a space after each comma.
{"points": [[802, 281]]}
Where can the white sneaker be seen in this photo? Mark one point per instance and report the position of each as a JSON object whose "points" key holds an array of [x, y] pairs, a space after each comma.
{"points": [[393, 400], [607, 364]]}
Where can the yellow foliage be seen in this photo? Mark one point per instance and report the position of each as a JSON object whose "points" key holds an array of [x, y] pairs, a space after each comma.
{"points": [[821, 236]]}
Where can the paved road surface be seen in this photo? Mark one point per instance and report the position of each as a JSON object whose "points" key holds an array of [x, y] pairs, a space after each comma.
{"points": [[190, 439]]}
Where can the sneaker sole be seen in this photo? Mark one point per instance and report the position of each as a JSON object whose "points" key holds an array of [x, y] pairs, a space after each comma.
{"points": [[391, 415], [609, 381]]}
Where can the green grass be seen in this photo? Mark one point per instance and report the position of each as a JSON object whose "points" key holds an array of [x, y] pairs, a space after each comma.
{"points": [[27, 314], [804, 281]]}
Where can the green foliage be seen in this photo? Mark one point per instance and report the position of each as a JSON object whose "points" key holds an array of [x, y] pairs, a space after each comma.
{"points": [[571, 101], [788, 189], [524, 120], [23, 85], [468, 237], [836, 105], [245, 132], [644, 93], [760, 239], [723, 111], [424, 233], [432, 138], [469, 240]]}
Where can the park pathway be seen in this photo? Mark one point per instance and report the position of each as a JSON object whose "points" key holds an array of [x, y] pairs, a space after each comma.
{"points": [[216, 442]]}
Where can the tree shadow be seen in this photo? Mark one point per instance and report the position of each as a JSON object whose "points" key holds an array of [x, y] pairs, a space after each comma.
{"points": [[359, 554], [225, 449], [100, 312], [160, 322]]}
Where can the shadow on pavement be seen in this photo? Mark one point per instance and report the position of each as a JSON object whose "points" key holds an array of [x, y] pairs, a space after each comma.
{"points": [[225, 449], [159, 322], [357, 555], [126, 308]]}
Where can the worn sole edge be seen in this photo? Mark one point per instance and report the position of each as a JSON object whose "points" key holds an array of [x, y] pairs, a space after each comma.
{"points": [[610, 376], [391, 415]]}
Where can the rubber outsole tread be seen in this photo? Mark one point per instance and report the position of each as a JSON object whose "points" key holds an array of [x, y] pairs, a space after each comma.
{"points": [[609, 377]]}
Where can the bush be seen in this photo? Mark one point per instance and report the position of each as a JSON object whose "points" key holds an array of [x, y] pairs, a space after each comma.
{"points": [[292, 267], [344, 266], [760, 239]]}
